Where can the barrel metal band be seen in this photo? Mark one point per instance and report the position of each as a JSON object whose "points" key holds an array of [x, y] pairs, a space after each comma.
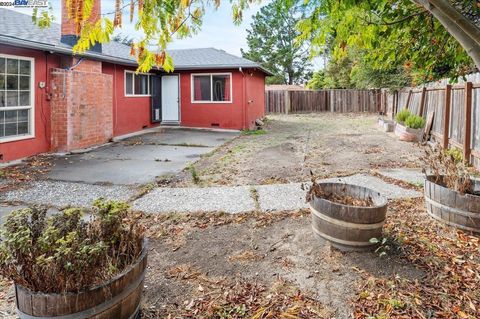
{"points": [[97, 309], [345, 224], [341, 241], [452, 209], [451, 223]]}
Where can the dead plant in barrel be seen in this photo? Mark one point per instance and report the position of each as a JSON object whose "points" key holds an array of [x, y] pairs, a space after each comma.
{"points": [[448, 168], [340, 196], [64, 252]]}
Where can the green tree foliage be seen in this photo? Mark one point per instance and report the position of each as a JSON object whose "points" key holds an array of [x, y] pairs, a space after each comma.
{"points": [[271, 42], [352, 71], [335, 76], [384, 39], [158, 21]]}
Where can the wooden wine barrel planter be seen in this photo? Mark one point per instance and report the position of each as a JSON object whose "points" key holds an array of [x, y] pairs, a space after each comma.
{"points": [[452, 207], [348, 227], [117, 298]]}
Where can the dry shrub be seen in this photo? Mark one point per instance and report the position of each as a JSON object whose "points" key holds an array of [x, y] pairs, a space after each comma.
{"points": [[449, 169], [65, 253]]}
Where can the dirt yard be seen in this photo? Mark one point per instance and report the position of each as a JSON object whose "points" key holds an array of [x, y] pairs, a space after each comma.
{"points": [[272, 266], [292, 145]]}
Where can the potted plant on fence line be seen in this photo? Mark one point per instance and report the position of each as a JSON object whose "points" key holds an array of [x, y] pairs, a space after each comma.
{"points": [[451, 194], [409, 127], [66, 266], [386, 124]]}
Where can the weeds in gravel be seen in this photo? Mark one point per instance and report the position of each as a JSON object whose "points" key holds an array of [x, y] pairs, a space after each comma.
{"points": [[254, 132], [193, 172], [255, 197]]}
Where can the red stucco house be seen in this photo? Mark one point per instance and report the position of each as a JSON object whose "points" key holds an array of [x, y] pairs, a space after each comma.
{"points": [[53, 101]]}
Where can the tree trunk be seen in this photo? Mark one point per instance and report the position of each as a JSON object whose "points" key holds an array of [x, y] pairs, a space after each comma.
{"points": [[462, 29]]}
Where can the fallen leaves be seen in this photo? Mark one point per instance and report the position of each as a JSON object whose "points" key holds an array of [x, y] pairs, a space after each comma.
{"points": [[245, 256], [449, 258], [224, 298], [19, 175]]}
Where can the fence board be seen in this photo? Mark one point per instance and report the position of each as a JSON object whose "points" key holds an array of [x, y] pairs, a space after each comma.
{"points": [[476, 116], [307, 101], [457, 115]]}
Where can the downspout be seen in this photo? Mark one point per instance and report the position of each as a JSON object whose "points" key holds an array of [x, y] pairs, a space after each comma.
{"points": [[115, 97], [75, 65], [244, 93]]}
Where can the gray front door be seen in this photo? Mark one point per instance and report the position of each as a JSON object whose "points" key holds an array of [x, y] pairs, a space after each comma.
{"points": [[156, 91]]}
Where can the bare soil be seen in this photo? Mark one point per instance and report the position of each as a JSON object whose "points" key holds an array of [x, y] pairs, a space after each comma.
{"points": [[256, 249], [293, 145], [272, 266]]}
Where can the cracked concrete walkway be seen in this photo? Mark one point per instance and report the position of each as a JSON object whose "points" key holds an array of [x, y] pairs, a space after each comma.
{"points": [[236, 199], [239, 199]]}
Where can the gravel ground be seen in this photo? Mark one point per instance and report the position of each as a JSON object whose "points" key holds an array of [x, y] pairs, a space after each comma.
{"points": [[61, 194], [237, 199], [281, 197], [227, 199]]}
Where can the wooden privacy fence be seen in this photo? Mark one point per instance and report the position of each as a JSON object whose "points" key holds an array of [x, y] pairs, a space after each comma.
{"points": [[341, 101], [455, 110]]}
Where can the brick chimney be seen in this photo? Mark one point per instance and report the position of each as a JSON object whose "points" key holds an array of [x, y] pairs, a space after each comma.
{"points": [[69, 35]]}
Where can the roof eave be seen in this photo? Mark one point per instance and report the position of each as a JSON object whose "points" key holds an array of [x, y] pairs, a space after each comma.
{"points": [[55, 49], [107, 58]]}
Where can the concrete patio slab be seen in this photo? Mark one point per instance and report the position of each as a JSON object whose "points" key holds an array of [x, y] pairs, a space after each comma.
{"points": [[409, 175], [281, 197], [389, 190], [275, 197], [61, 194], [187, 136], [140, 159], [278, 197], [227, 199]]}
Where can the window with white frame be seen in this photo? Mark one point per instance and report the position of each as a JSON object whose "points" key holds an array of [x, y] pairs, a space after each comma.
{"points": [[16, 97], [212, 88], [137, 84]]}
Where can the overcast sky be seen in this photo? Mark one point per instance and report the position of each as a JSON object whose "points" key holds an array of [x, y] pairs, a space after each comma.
{"points": [[217, 31]]}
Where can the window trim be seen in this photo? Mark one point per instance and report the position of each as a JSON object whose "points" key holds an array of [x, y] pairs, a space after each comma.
{"points": [[192, 93], [133, 84], [32, 101]]}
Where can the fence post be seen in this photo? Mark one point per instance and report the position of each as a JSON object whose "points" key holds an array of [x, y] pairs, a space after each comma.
{"points": [[409, 97], [446, 115], [468, 123], [422, 101], [287, 101]]}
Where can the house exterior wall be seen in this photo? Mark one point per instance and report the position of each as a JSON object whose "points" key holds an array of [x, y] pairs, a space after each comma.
{"points": [[81, 107], [98, 108], [130, 113], [228, 115], [255, 84], [40, 143]]}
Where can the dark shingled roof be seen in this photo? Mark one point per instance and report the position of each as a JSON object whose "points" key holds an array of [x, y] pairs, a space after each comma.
{"points": [[17, 29]]}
